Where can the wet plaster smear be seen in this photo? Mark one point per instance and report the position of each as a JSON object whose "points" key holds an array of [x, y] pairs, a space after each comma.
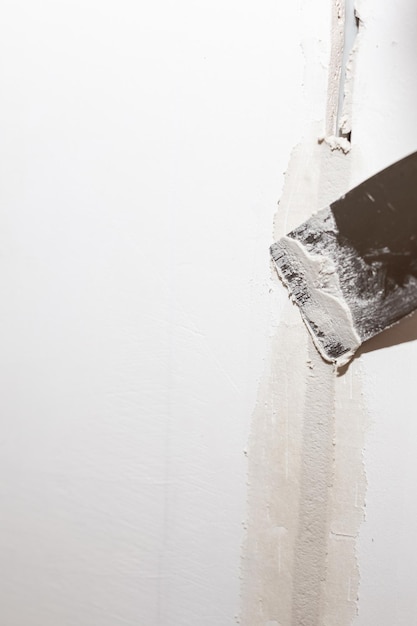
{"points": [[306, 476]]}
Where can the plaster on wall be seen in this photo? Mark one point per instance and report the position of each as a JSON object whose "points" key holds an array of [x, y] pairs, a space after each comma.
{"points": [[306, 477], [306, 474]]}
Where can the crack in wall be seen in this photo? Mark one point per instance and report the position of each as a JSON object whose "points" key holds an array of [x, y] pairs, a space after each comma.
{"points": [[345, 38], [350, 33]]}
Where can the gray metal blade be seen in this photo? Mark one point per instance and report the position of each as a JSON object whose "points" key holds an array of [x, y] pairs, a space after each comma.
{"points": [[352, 267]]}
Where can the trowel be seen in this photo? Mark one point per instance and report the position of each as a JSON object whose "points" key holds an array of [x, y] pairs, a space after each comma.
{"points": [[352, 267]]}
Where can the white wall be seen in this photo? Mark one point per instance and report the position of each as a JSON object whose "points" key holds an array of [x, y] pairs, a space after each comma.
{"points": [[141, 154]]}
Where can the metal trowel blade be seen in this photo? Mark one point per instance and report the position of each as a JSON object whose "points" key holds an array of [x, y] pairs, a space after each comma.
{"points": [[352, 267]]}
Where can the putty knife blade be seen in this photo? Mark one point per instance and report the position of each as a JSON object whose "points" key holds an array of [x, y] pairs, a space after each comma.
{"points": [[352, 267]]}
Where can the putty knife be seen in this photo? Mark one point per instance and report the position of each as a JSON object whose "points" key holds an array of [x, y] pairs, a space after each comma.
{"points": [[352, 267]]}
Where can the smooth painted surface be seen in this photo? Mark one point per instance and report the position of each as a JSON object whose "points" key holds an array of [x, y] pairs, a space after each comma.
{"points": [[142, 147]]}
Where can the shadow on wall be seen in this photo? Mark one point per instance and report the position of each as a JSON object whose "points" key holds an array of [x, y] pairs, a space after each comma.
{"points": [[403, 332]]}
